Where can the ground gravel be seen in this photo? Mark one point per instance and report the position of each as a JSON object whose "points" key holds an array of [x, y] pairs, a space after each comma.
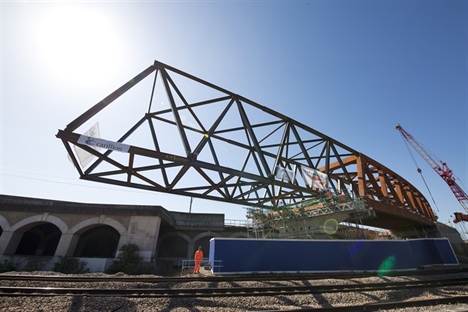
{"points": [[225, 304]]}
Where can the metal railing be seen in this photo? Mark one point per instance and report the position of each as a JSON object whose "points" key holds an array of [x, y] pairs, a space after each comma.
{"points": [[187, 266], [240, 223]]}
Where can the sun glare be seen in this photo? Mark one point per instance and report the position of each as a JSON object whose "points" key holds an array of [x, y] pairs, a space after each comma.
{"points": [[77, 44]]}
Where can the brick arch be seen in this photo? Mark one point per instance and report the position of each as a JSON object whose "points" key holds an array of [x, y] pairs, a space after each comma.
{"points": [[4, 224], [30, 234], [165, 249], [97, 221], [97, 240], [59, 223], [199, 240], [183, 235], [205, 234]]}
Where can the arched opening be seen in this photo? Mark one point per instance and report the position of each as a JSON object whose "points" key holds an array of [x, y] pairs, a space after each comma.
{"points": [[173, 246], [204, 242], [98, 242], [40, 240]]}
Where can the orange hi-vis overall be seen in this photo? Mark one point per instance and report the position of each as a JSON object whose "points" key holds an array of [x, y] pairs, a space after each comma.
{"points": [[198, 259]]}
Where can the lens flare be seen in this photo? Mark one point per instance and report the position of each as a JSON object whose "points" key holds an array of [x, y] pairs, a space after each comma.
{"points": [[356, 247], [387, 265], [330, 226]]}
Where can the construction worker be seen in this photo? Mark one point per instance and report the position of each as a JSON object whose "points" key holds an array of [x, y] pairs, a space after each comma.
{"points": [[198, 259]]}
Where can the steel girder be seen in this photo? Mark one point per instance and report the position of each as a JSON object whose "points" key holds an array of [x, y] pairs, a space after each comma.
{"points": [[197, 139]]}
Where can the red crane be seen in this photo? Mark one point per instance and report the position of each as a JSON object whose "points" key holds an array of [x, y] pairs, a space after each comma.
{"points": [[442, 170]]}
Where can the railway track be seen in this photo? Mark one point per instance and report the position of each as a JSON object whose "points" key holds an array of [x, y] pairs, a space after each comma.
{"points": [[220, 278], [273, 286], [227, 291]]}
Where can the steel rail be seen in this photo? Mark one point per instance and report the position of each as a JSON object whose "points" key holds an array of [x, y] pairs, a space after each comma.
{"points": [[229, 291], [223, 278]]}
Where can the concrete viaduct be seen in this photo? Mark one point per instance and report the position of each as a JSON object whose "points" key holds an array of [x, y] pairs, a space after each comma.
{"points": [[48, 229]]}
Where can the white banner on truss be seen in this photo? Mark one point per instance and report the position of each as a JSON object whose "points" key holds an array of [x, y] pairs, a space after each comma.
{"points": [[110, 145], [284, 174], [83, 156], [314, 178]]}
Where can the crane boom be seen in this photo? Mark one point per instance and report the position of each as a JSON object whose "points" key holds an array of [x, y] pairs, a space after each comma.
{"points": [[442, 170]]}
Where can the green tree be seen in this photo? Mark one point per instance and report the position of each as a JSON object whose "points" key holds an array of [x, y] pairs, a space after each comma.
{"points": [[7, 266], [129, 261], [70, 266]]}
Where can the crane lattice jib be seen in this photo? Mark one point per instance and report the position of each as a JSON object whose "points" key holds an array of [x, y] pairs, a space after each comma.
{"points": [[443, 171], [461, 196], [421, 150]]}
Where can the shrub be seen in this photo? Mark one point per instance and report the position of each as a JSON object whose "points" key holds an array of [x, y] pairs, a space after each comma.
{"points": [[70, 266], [130, 262], [31, 266], [7, 266]]}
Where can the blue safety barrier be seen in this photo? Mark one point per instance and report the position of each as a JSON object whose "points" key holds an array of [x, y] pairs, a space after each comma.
{"points": [[240, 256]]}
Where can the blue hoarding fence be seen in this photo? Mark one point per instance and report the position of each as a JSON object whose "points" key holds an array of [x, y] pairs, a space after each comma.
{"points": [[242, 256]]}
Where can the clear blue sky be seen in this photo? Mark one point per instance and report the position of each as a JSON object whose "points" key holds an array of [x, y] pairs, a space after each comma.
{"points": [[349, 69]]}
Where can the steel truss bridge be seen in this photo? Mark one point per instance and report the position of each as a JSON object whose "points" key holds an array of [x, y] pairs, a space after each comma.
{"points": [[175, 133]]}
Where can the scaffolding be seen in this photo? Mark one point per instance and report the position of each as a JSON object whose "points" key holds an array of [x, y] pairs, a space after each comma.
{"points": [[313, 218]]}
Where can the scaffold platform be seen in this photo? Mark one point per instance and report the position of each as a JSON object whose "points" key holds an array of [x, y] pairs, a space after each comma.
{"points": [[313, 218]]}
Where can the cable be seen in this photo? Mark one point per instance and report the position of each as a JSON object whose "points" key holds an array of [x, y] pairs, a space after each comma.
{"points": [[420, 172], [67, 183]]}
